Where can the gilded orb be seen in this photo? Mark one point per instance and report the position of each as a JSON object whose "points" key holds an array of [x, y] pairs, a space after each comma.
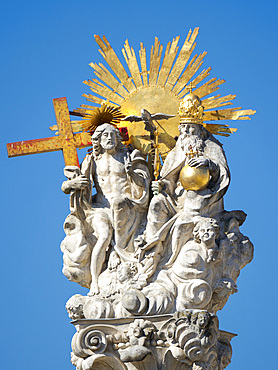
{"points": [[193, 178]]}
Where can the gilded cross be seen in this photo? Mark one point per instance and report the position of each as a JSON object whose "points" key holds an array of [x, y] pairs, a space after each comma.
{"points": [[66, 141], [190, 87], [191, 153]]}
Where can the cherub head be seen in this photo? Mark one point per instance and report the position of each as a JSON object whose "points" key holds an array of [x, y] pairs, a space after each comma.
{"points": [[74, 307], [203, 319], [206, 231]]}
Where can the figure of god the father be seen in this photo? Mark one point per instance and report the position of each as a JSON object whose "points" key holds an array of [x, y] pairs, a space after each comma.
{"points": [[175, 207], [121, 179]]}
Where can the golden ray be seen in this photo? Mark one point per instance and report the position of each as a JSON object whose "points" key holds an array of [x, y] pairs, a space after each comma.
{"points": [[217, 101], [222, 130], [168, 60], [101, 89], [82, 111], [103, 74], [208, 87], [205, 73], [143, 60], [156, 52], [192, 68], [227, 114], [93, 98], [76, 126], [89, 107], [182, 58], [111, 58], [131, 61]]}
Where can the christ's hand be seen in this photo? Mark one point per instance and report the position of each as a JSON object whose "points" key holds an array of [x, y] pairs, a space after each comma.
{"points": [[78, 183]]}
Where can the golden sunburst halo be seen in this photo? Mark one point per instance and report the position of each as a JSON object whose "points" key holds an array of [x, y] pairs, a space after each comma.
{"points": [[158, 89], [98, 116]]}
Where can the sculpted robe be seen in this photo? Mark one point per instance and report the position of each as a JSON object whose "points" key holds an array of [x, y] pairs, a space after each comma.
{"points": [[208, 201], [172, 212], [124, 214]]}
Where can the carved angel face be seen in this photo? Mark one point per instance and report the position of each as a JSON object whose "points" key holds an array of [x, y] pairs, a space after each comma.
{"points": [[74, 307], [207, 233], [203, 319]]}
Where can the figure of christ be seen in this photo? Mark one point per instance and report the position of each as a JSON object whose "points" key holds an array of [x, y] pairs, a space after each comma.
{"points": [[115, 212]]}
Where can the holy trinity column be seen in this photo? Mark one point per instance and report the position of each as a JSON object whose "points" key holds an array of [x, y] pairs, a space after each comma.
{"points": [[147, 232]]}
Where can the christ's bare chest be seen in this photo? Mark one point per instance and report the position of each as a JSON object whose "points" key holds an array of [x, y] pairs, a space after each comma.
{"points": [[110, 174], [109, 165]]}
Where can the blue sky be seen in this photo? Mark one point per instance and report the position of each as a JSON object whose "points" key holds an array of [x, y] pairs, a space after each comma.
{"points": [[46, 48]]}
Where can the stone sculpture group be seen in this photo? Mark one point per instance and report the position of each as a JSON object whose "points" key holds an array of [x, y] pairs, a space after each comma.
{"points": [[173, 257]]}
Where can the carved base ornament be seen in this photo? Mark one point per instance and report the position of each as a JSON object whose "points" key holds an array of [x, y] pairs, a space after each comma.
{"points": [[189, 340], [147, 232]]}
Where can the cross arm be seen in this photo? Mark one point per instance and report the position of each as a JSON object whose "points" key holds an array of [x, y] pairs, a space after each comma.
{"points": [[48, 144], [66, 141]]}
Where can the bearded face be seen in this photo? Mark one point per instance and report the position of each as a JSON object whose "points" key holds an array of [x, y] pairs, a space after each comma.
{"points": [[108, 139], [190, 134]]}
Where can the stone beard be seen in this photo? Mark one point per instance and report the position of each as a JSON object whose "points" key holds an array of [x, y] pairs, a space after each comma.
{"points": [[191, 140]]}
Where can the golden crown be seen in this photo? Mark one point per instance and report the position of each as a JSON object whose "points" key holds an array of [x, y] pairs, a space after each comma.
{"points": [[191, 109]]}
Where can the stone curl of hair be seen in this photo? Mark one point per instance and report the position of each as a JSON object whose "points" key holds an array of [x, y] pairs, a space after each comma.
{"points": [[205, 221], [97, 135]]}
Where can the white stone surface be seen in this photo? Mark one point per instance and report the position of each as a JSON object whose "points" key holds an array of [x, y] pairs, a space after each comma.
{"points": [[188, 340], [115, 215], [146, 256]]}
